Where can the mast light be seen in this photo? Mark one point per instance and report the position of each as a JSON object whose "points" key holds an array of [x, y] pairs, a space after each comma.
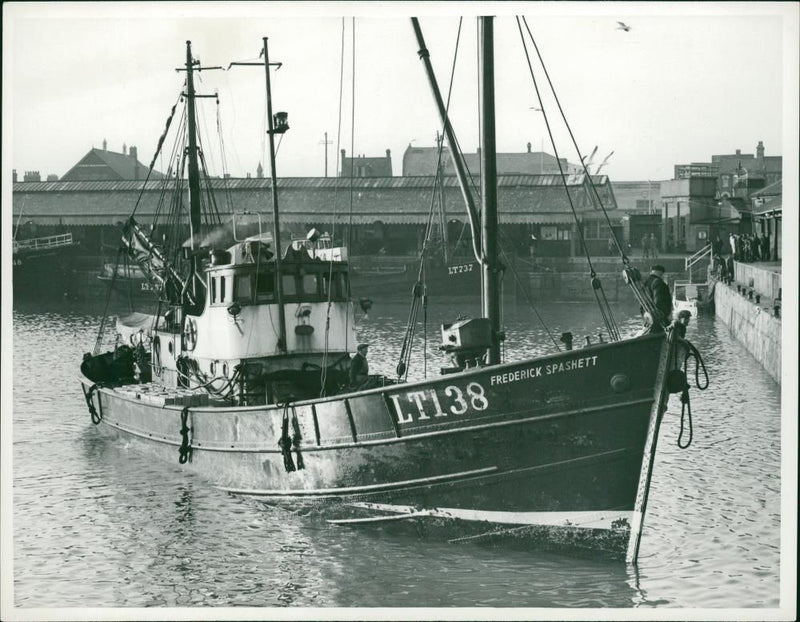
{"points": [[280, 122]]}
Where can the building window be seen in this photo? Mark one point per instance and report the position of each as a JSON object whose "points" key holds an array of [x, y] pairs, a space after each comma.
{"points": [[644, 204], [549, 233], [726, 181], [596, 230]]}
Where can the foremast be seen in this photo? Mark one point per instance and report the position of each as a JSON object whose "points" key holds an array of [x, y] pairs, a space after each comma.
{"points": [[483, 223]]}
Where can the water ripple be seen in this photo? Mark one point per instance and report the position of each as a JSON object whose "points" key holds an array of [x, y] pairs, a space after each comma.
{"points": [[96, 525]]}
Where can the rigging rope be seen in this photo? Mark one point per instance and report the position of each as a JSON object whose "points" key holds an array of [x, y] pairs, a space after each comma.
{"points": [[597, 287], [419, 291], [324, 367], [527, 295]]}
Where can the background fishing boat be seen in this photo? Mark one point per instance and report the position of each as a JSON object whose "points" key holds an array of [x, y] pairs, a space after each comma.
{"points": [[43, 265]]}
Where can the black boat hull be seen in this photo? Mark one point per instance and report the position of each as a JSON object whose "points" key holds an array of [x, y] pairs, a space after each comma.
{"points": [[555, 445]]}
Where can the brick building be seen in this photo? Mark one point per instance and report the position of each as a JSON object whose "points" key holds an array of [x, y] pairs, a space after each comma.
{"points": [[363, 166], [104, 165], [744, 171], [638, 209], [421, 161]]}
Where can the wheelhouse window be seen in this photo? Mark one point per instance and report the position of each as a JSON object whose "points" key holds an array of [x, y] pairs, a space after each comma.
{"points": [[308, 284], [265, 286], [243, 288], [334, 284], [289, 285]]}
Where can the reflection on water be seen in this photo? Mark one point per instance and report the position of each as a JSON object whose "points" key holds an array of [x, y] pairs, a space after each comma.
{"points": [[97, 525]]}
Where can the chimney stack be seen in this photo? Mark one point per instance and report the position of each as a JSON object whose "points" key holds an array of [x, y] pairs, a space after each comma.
{"points": [[134, 153], [529, 147], [105, 144], [14, 175], [124, 149]]}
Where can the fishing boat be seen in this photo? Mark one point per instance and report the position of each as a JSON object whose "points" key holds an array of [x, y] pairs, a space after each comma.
{"points": [[243, 377], [42, 265], [440, 269], [127, 281]]}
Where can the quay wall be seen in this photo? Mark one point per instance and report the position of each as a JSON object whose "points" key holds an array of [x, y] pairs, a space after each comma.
{"points": [[765, 282], [753, 325]]}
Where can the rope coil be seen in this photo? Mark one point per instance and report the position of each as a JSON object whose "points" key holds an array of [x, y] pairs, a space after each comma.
{"points": [[96, 417], [185, 450], [686, 405]]}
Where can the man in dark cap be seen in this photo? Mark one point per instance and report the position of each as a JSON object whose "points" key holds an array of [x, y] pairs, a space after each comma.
{"points": [[658, 291], [359, 367]]}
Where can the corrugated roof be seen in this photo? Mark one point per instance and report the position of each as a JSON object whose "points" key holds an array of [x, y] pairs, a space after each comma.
{"points": [[392, 200], [774, 189], [771, 204], [290, 183]]}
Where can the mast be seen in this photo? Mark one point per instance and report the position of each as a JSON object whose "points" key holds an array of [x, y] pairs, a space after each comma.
{"points": [[490, 293], [276, 233], [194, 170], [455, 153], [440, 186]]}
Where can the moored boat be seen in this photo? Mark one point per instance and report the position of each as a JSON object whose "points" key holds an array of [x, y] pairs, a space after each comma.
{"points": [[243, 377], [692, 297], [42, 265]]}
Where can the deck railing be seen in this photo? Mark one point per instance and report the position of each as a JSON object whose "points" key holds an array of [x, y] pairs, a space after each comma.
{"points": [[50, 241]]}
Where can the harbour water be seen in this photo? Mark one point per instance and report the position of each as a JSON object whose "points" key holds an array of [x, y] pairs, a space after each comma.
{"points": [[96, 525]]}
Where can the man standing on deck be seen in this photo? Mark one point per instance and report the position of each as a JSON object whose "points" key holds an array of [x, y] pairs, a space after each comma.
{"points": [[658, 291], [359, 368]]}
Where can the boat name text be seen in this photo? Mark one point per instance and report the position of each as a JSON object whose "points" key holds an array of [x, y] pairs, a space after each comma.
{"points": [[451, 400], [543, 370], [466, 267]]}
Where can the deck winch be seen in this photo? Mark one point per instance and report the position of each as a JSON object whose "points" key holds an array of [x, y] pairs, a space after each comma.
{"points": [[466, 341]]}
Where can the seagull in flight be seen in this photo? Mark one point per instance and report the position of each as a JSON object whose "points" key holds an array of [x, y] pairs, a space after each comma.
{"points": [[623, 26]]}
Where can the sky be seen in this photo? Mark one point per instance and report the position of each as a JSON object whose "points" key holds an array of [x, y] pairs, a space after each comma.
{"points": [[685, 82]]}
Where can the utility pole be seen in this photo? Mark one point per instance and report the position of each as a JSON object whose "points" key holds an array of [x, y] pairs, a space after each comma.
{"points": [[326, 142]]}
